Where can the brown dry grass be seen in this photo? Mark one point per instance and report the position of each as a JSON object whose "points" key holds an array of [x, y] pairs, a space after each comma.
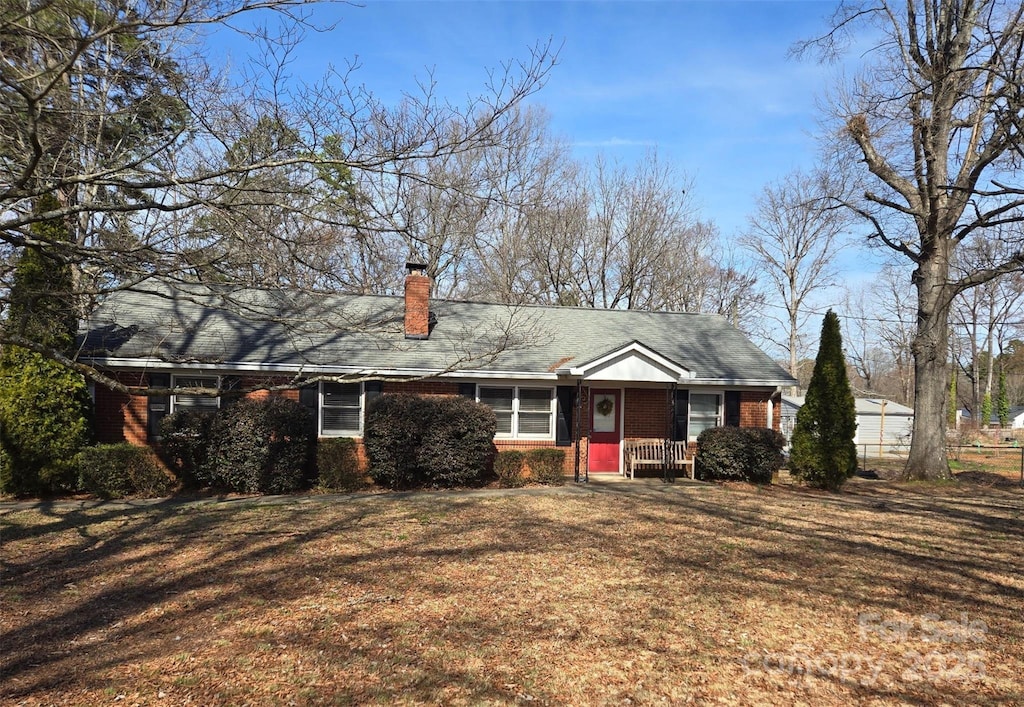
{"points": [[609, 594]]}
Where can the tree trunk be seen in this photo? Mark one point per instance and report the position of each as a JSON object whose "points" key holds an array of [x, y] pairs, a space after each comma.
{"points": [[927, 460]]}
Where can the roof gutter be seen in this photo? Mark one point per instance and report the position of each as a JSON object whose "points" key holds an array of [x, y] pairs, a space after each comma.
{"points": [[136, 364]]}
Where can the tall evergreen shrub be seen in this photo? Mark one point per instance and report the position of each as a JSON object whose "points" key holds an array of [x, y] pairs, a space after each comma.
{"points": [[823, 453], [45, 407]]}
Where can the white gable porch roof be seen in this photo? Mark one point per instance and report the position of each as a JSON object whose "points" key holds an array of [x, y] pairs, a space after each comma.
{"points": [[633, 363]]}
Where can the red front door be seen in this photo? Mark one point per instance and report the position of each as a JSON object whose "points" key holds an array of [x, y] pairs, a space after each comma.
{"points": [[605, 429]]}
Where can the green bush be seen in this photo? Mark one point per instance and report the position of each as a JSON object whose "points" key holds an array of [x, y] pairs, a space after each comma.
{"points": [[45, 420], [337, 465], [260, 446], [428, 441], [184, 446], [751, 454], [508, 467], [45, 408], [547, 466], [120, 470], [822, 451]]}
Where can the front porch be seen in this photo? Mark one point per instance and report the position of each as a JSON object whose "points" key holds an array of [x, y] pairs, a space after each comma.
{"points": [[637, 413]]}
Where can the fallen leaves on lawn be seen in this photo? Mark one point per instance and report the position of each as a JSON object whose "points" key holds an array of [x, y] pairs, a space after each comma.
{"points": [[625, 594]]}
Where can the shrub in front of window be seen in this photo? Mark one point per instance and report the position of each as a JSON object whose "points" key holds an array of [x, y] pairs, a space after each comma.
{"points": [[184, 446], [120, 470], [508, 467], [547, 466], [261, 446], [428, 441], [391, 439], [458, 442], [337, 465], [739, 454]]}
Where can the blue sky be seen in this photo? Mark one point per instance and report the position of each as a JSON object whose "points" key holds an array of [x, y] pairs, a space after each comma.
{"points": [[708, 84]]}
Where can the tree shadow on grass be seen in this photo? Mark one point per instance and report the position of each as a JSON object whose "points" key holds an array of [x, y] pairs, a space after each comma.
{"points": [[403, 596]]}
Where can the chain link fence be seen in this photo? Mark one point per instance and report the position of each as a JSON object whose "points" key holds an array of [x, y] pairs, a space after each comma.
{"points": [[992, 462]]}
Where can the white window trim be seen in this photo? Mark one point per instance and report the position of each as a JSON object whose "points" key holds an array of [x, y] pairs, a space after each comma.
{"points": [[340, 433], [552, 411], [174, 384], [719, 411]]}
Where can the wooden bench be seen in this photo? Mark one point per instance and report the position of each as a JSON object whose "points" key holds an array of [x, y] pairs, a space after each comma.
{"points": [[662, 453]]}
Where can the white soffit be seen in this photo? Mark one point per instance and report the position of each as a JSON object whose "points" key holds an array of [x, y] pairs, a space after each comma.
{"points": [[634, 363]]}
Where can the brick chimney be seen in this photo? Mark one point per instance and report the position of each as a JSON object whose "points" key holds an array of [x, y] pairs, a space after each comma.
{"points": [[417, 302]]}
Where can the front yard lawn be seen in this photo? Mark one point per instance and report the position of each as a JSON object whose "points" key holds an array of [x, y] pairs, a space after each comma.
{"points": [[609, 594]]}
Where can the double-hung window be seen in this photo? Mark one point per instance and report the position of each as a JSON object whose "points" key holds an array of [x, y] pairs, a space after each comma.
{"points": [[341, 409], [192, 401], [705, 412], [522, 412]]}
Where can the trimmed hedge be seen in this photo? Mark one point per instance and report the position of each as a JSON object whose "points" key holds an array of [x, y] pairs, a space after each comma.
{"points": [[547, 466], [261, 446], [508, 467], [120, 470], [441, 441], [751, 454], [337, 465], [184, 447]]}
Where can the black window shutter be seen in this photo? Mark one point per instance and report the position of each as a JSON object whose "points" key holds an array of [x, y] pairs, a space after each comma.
{"points": [[309, 398], [158, 405], [732, 408], [374, 389], [680, 424], [566, 396], [229, 386], [468, 390]]}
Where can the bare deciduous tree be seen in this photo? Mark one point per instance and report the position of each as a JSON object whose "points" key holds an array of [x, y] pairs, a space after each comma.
{"points": [[878, 324], [794, 237], [163, 168], [982, 316], [933, 129]]}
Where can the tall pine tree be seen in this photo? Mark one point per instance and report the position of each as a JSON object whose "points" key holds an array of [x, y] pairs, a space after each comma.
{"points": [[44, 406], [823, 453]]}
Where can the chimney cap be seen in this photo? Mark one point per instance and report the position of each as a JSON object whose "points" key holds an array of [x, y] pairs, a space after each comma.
{"points": [[415, 266]]}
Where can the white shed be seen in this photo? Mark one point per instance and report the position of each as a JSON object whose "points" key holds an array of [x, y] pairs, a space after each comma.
{"points": [[881, 424]]}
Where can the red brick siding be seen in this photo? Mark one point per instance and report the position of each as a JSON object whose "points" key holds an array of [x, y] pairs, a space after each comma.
{"points": [[647, 412], [754, 408], [424, 387], [120, 417], [124, 418]]}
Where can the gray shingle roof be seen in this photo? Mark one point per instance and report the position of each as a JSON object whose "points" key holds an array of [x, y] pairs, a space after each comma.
{"points": [[320, 332]]}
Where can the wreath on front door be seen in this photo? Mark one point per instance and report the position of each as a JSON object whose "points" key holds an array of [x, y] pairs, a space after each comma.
{"points": [[605, 407]]}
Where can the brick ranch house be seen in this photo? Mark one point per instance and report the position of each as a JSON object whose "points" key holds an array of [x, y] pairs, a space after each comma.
{"points": [[586, 380]]}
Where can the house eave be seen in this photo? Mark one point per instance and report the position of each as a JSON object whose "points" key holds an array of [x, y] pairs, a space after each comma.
{"points": [[744, 382], [573, 373], [142, 364]]}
